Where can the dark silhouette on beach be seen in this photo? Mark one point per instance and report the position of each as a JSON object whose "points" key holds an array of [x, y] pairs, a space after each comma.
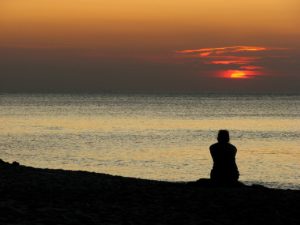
{"points": [[225, 170]]}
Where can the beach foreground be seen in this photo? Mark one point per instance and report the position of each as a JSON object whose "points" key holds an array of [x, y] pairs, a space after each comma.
{"points": [[45, 196]]}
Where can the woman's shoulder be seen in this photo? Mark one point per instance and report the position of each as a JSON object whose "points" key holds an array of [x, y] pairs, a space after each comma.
{"points": [[213, 146], [232, 146]]}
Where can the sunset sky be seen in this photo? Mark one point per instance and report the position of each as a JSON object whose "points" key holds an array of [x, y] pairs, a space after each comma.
{"points": [[150, 45]]}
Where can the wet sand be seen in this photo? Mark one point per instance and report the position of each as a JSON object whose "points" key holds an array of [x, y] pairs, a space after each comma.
{"points": [[45, 196]]}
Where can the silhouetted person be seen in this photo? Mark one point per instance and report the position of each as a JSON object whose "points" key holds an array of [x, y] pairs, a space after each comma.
{"points": [[225, 170]]}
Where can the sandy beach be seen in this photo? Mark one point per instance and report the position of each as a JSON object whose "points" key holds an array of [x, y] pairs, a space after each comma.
{"points": [[46, 196]]}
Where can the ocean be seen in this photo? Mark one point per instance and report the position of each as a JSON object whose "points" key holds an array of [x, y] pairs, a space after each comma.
{"points": [[161, 137]]}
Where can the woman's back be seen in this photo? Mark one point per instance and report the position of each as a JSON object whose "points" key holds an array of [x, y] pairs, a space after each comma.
{"points": [[224, 166]]}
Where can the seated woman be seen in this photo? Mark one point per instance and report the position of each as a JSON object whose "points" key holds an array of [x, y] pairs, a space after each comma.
{"points": [[225, 170]]}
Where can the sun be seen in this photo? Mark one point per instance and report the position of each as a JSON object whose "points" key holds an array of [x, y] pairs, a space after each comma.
{"points": [[238, 74]]}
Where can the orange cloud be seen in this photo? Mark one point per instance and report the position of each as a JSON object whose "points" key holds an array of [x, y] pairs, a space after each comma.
{"points": [[244, 60], [223, 50], [227, 60]]}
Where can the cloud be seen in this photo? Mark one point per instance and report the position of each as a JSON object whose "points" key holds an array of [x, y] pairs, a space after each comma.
{"points": [[85, 70], [234, 61], [232, 49]]}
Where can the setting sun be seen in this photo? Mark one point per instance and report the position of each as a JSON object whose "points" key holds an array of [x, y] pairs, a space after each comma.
{"points": [[238, 75]]}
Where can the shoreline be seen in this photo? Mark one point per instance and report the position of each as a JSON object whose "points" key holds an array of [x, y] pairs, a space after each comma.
{"points": [[269, 185], [46, 196]]}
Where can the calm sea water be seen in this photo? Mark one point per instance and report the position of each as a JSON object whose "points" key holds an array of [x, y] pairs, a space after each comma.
{"points": [[164, 137]]}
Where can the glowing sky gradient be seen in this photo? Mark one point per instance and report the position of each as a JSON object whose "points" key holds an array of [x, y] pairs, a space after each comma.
{"points": [[149, 46]]}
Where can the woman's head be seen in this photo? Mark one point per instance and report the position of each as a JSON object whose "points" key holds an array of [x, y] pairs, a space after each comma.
{"points": [[223, 136]]}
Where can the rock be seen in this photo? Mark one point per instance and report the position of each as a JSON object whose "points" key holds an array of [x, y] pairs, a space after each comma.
{"points": [[15, 164]]}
